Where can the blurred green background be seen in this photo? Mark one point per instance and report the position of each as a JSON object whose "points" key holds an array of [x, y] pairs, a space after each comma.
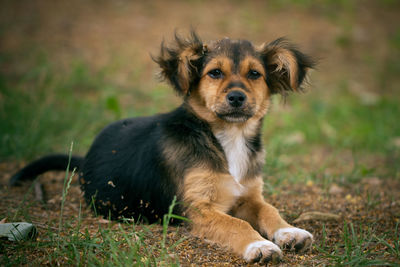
{"points": [[68, 68]]}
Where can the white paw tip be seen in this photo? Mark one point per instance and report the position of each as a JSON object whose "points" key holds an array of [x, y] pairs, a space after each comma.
{"points": [[262, 251], [293, 237]]}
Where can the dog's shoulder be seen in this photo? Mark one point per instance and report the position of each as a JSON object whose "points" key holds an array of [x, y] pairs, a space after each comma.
{"points": [[182, 124], [187, 141]]}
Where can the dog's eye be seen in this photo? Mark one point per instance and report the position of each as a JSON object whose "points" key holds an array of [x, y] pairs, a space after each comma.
{"points": [[253, 75], [215, 74]]}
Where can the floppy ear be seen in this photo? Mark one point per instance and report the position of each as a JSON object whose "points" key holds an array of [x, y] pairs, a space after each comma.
{"points": [[181, 62], [286, 66]]}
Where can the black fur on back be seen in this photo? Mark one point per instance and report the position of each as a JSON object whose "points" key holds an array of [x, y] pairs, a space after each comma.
{"points": [[135, 165]]}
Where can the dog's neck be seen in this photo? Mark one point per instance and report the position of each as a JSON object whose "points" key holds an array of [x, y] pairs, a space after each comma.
{"points": [[236, 140], [240, 141]]}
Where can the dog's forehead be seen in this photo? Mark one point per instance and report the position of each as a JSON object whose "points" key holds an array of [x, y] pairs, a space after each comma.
{"points": [[236, 50]]}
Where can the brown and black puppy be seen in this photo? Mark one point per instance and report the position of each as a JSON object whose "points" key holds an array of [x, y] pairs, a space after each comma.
{"points": [[208, 152]]}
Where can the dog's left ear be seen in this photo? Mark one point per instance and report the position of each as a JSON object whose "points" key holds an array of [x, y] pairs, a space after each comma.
{"points": [[286, 66], [181, 62]]}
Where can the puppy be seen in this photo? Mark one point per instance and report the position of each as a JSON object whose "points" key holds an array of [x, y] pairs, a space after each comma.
{"points": [[208, 152]]}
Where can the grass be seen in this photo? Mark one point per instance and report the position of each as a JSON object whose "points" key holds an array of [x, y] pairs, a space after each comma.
{"points": [[42, 104], [46, 107], [351, 126], [66, 186], [359, 247], [342, 122]]}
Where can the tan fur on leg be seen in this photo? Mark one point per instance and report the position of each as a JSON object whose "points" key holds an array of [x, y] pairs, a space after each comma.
{"points": [[209, 196], [266, 219], [224, 229], [262, 216]]}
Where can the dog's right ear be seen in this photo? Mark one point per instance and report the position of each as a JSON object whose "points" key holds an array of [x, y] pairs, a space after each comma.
{"points": [[181, 62], [286, 66]]}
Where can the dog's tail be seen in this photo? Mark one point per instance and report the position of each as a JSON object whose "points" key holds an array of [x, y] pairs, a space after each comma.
{"points": [[47, 163]]}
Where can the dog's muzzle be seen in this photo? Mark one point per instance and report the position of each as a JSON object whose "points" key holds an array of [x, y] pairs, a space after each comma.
{"points": [[236, 108]]}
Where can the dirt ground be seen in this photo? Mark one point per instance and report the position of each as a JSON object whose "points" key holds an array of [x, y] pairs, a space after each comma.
{"points": [[379, 214]]}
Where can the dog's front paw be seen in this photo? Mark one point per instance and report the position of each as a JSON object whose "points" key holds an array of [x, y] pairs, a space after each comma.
{"points": [[262, 251], [293, 238]]}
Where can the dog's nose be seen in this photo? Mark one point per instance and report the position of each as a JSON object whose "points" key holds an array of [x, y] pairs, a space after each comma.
{"points": [[236, 99]]}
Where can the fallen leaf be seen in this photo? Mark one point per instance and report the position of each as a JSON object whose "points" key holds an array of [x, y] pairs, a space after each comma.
{"points": [[317, 216]]}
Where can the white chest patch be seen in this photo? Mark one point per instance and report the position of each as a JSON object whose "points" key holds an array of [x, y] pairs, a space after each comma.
{"points": [[236, 151]]}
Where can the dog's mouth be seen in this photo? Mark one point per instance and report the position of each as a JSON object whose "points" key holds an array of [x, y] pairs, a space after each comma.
{"points": [[234, 116]]}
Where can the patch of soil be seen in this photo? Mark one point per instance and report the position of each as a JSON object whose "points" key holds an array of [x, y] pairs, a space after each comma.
{"points": [[373, 204]]}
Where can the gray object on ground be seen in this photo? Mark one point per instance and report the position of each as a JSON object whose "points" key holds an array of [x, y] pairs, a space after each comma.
{"points": [[17, 231]]}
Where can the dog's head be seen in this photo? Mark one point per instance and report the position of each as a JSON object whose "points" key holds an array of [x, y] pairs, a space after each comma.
{"points": [[232, 80]]}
